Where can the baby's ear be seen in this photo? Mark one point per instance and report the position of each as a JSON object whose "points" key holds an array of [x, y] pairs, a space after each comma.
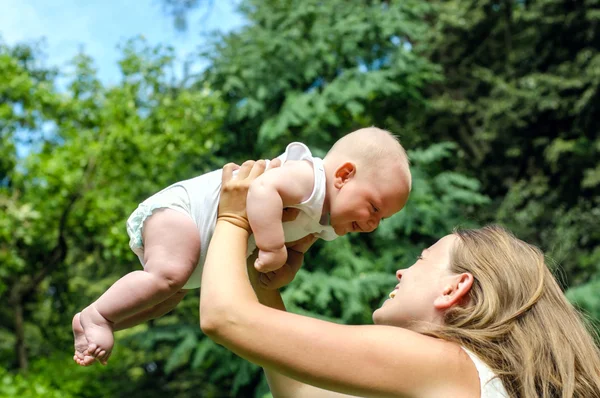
{"points": [[343, 174]]}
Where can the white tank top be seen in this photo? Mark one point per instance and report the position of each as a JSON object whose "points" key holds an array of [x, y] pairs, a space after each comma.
{"points": [[491, 386], [204, 194]]}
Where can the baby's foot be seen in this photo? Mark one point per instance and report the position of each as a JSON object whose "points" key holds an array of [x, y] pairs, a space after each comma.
{"points": [[81, 343], [99, 333]]}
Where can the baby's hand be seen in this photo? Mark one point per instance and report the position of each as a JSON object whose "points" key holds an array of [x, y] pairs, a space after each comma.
{"points": [[270, 260], [284, 275]]}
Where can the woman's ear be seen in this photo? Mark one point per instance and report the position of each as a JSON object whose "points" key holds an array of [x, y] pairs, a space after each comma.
{"points": [[343, 174], [455, 291]]}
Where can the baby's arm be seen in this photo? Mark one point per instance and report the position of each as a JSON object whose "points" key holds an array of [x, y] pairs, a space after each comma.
{"points": [[285, 186]]}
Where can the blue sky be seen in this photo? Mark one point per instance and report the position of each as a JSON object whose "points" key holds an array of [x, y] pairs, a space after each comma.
{"points": [[100, 25]]}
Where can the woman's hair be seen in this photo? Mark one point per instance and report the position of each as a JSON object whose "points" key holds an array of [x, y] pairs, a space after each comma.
{"points": [[517, 320]]}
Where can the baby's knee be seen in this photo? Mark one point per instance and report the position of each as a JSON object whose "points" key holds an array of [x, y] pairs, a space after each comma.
{"points": [[170, 277]]}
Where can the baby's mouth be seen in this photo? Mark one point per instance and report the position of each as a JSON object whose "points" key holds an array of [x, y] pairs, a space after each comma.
{"points": [[392, 294]]}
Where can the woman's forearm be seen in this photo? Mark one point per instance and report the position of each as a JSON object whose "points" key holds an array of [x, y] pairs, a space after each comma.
{"points": [[230, 303], [279, 384], [225, 286]]}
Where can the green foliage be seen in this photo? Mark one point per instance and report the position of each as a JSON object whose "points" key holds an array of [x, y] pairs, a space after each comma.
{"points": [[313, 71], [520, 98], [20, 386], [586, 298], [52, 377], [94, 153]]}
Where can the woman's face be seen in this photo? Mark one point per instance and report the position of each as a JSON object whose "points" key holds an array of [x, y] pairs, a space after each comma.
{"points": [[420, 289]]}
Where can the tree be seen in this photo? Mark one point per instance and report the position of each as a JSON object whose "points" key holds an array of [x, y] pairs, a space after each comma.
{"points": [[520, 97], [313, 71], [26, 96], [98, 151]]}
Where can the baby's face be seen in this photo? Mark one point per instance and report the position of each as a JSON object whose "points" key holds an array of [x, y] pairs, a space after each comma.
{"points": [[361, 203]]}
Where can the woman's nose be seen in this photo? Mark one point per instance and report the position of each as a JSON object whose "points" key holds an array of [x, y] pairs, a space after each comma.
{"points": [[399, 274]]}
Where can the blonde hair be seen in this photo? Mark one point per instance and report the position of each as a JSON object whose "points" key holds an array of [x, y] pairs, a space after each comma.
{"points": [[518, 321]]}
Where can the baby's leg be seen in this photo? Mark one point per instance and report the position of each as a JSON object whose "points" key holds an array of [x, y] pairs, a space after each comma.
{"points": [[157, 311], [171, 252], [160, 309]]}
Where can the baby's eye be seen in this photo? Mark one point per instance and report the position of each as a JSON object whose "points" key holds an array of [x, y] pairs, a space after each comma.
{"points": [[375, 209]]}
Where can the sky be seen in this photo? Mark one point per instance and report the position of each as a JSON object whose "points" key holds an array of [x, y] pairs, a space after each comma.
{"points": [[99, 26]]}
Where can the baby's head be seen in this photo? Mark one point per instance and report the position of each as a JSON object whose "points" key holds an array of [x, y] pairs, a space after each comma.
{"points": [[368, 179]]}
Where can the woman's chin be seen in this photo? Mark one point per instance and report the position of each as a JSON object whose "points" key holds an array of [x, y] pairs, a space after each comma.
{"points": [[379, 317], [388, 317]]}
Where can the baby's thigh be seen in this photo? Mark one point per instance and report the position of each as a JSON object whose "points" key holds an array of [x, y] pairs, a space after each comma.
{"points": [[171, 245]]}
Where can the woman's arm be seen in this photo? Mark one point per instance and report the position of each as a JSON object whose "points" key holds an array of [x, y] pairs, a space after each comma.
{"points": [[280, 385], [356, 360]]}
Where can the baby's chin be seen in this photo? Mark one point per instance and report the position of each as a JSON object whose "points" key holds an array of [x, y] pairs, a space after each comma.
{"points": [[339, 230]]}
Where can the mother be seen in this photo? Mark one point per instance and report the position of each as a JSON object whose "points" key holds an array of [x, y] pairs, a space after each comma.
{"points": [[478, 315]]}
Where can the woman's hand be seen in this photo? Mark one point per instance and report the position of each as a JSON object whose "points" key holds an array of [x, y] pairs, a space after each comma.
{"points": [[234, 190], [284, 275]]}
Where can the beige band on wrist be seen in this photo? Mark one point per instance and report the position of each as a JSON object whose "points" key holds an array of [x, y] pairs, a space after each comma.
{"points": [[236, 220]]}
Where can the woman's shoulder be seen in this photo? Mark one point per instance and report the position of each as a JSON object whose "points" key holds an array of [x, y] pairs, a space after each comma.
{"points": [[491, 386]]}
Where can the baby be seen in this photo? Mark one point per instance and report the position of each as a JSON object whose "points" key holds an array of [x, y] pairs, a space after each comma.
{"points": [[363, 178]]}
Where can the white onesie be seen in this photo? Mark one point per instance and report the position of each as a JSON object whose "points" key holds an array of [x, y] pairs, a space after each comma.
{"points": [[199, 198]]}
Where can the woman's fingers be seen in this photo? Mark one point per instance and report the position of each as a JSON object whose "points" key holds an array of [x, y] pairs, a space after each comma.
{"points": [[250, 169], [244, 171], [257, 169], [228, 170], [234, 189]]}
